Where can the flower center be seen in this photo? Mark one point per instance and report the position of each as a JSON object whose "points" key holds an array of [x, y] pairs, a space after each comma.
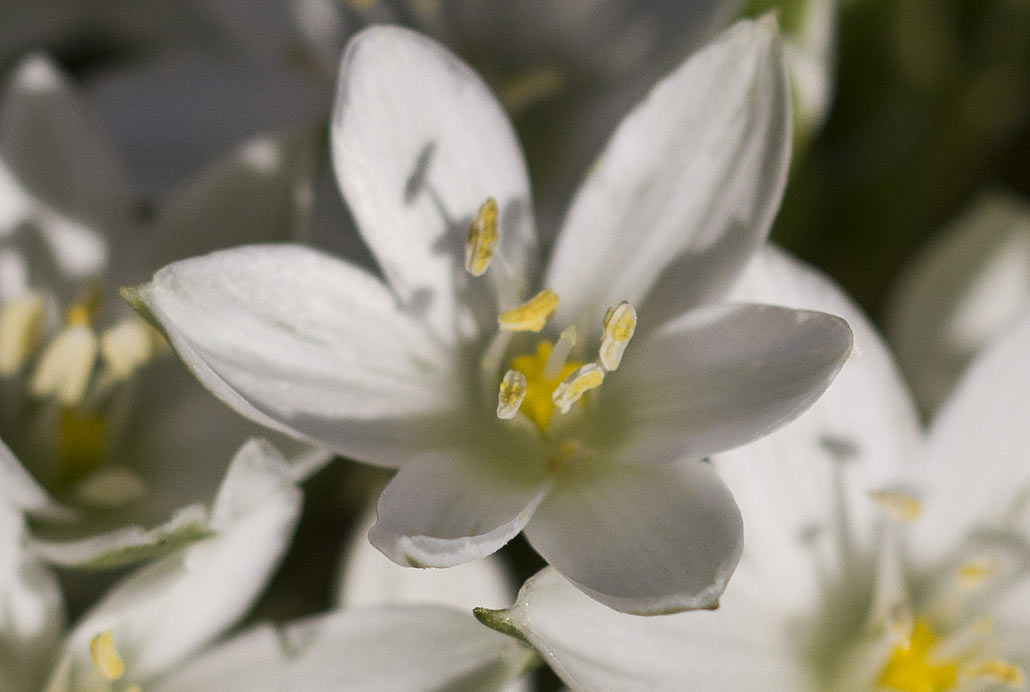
{"points": [[912, 666], [538, 383]]}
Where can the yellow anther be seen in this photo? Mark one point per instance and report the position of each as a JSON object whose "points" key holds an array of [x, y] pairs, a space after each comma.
{"points": [[128, 345], [911, 668], [482, 239], [973, 574], [537, 405], [619, 324], [532, 315], [21, 331], [105, 656], [511, 393], [898, 504], [585, 378], [65, 367], [996, 671]]}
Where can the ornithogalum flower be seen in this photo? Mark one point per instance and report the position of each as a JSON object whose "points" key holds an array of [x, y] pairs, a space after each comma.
{"points": [[866, 566], [579, 407]]}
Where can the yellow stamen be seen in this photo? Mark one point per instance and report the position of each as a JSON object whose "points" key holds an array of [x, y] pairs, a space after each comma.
{"points": [[585, 378], [511, 393], [994, 670], [105, 656], [619, 324], [912, 669], [83, 312], [65, 367], [973, 574], [21, 331], [898, 504], [532, 315], [80, 446], [482, 238], [537, 404], [128, 345], [531, 87]]}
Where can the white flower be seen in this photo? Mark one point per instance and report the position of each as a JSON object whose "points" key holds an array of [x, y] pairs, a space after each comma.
{"points": [[153, 630], [960, 292], [412, 372], [865, 566], [117, 433]]}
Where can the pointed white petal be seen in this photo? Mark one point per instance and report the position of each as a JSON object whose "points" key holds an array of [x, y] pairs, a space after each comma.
{"points": [[721, 376], [976, 473], [399, 649], [450, 507], [302, 342], [961, 291], [741, 646], [31, 611], [167, 609], [369, 578], [53, 146], [419, 143], [642, 539], [688, 185]]}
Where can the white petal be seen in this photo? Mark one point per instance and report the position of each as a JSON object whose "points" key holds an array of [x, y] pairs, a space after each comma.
{"points": [[740, 646], [369, 578], [688, 185], [54, 147], [400, 649], [644, 539], [302, 342], [976, 472], [962, 290], [804, 490], [19, 489], [31, 611], [721, 376], [446, 508], [166, 610], [419, 143], [256, 194], [127, 545]]}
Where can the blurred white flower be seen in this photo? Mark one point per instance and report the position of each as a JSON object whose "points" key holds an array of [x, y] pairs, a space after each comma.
{"points": [[90, 408], [966, 287], [866, 566], [436, 371]]}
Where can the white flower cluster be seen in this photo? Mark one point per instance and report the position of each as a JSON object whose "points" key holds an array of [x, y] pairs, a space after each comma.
{"points": [[703, 438]]}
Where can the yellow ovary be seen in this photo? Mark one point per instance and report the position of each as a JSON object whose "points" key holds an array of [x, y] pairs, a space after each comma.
{"points": [[537, 404]]}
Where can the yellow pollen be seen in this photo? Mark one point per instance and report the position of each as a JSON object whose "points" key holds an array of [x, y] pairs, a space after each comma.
{"points": [[510, 394], [80, 444], [572, 389], [537, 404], [619, 324], [898, 504], [21, 331], [912, 669], [482, 239], [532, 315], [973, 574], [997, 671], [105, 656]]}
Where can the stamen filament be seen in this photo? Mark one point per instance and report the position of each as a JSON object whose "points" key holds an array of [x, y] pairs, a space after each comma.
{"points": [[482, 239], [532, 315], [560, 353], [510, 394]]}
